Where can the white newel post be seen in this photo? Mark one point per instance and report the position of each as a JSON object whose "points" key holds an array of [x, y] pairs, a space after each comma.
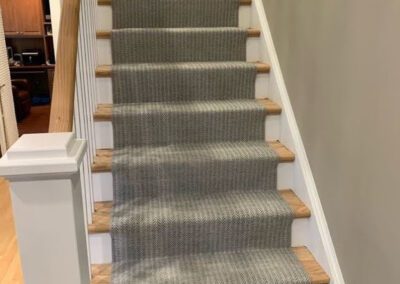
{"points": [[47, 199]]}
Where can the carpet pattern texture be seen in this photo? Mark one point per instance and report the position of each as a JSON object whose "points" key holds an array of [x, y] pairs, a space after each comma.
{"points": [[195, 184]]}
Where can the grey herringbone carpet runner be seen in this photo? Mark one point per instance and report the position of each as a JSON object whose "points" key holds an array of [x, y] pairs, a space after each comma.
{"points": [[195, 190]]}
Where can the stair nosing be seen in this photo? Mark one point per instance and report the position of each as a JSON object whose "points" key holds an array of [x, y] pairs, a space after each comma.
{"points": [[102, 161], [101, 273], [106, 34], [102, 214], [104, 71], [104, 111]]}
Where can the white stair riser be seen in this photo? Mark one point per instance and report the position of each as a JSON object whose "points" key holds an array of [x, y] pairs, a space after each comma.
{"points": [[103, 182], [104, 51], [104, 88], [104, 17], [101, 251], [102, 186]]}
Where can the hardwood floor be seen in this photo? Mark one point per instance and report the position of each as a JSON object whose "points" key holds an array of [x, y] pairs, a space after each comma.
{"points": [[10, 264], [36, 122]]}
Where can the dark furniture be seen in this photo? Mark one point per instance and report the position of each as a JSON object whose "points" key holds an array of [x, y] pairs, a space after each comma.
{"points": [[22, 98], [28, 32]]}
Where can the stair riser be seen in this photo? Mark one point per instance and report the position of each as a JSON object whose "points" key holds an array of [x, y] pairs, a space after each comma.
{"points": [[105, 57], [101, 251], [104, 17], [103, 182], [104, 88], [104, 132]]}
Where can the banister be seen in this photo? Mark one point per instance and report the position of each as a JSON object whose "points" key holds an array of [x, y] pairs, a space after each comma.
{"points": [[62, 106]]}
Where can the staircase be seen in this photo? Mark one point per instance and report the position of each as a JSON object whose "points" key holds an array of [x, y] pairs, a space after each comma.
{"points": [[307, 238]]}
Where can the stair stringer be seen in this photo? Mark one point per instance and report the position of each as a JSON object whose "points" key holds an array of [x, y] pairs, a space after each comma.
{"points": [[312, 232]]}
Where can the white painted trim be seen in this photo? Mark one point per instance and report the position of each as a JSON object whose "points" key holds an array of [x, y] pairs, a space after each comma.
{"points": [[290, 136], [49, 211], [55, 11], [43, 155]]}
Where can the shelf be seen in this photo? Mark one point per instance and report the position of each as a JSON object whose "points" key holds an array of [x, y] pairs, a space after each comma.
{"points": [[29, 67], [23, 36]]}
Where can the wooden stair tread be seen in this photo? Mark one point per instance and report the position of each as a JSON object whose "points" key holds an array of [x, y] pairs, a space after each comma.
{"points": [[102, 161], [108, 2], [104, 111], [102, 211], [101, 273], [101, 34], [105, 70], [316, 273]]}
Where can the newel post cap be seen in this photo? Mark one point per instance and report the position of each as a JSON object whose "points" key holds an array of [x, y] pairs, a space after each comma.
{"points": [[43, 155]]}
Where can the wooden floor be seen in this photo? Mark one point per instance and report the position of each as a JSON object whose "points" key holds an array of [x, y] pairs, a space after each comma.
{"points": [[36, 122], [10, 265]]}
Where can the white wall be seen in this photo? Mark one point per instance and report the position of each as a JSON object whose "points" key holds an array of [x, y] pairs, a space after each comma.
{"points": [[55, 11], [8, 123], [341, 63]]}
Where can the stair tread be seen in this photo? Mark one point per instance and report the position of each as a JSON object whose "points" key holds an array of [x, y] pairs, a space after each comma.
{"points": [[102, 161], [104, 111], [102, 214], [105, 70], [101, 273], [106, 34], [108, 2]]}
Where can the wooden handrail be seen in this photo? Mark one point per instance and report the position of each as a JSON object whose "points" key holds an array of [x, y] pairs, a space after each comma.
{"points": [[62, 106]]}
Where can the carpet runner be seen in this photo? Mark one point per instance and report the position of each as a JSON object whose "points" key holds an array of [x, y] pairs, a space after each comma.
{"points": [[195, 184]]}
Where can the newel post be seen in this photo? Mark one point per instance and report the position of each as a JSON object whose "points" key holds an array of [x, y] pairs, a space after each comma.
{"points": [[47, 199]]}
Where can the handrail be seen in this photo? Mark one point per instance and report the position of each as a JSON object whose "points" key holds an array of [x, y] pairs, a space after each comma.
{"points": [[62, 106]]}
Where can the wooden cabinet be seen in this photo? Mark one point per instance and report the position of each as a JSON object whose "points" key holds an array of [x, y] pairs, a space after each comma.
{"points": [[9, 15], [22, 17]]}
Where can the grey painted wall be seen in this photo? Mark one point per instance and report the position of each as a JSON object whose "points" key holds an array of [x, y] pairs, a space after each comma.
{"points": [[341, 63]]}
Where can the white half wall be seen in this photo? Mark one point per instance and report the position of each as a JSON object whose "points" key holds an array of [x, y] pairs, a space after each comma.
{"points": [[55, 10]]}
